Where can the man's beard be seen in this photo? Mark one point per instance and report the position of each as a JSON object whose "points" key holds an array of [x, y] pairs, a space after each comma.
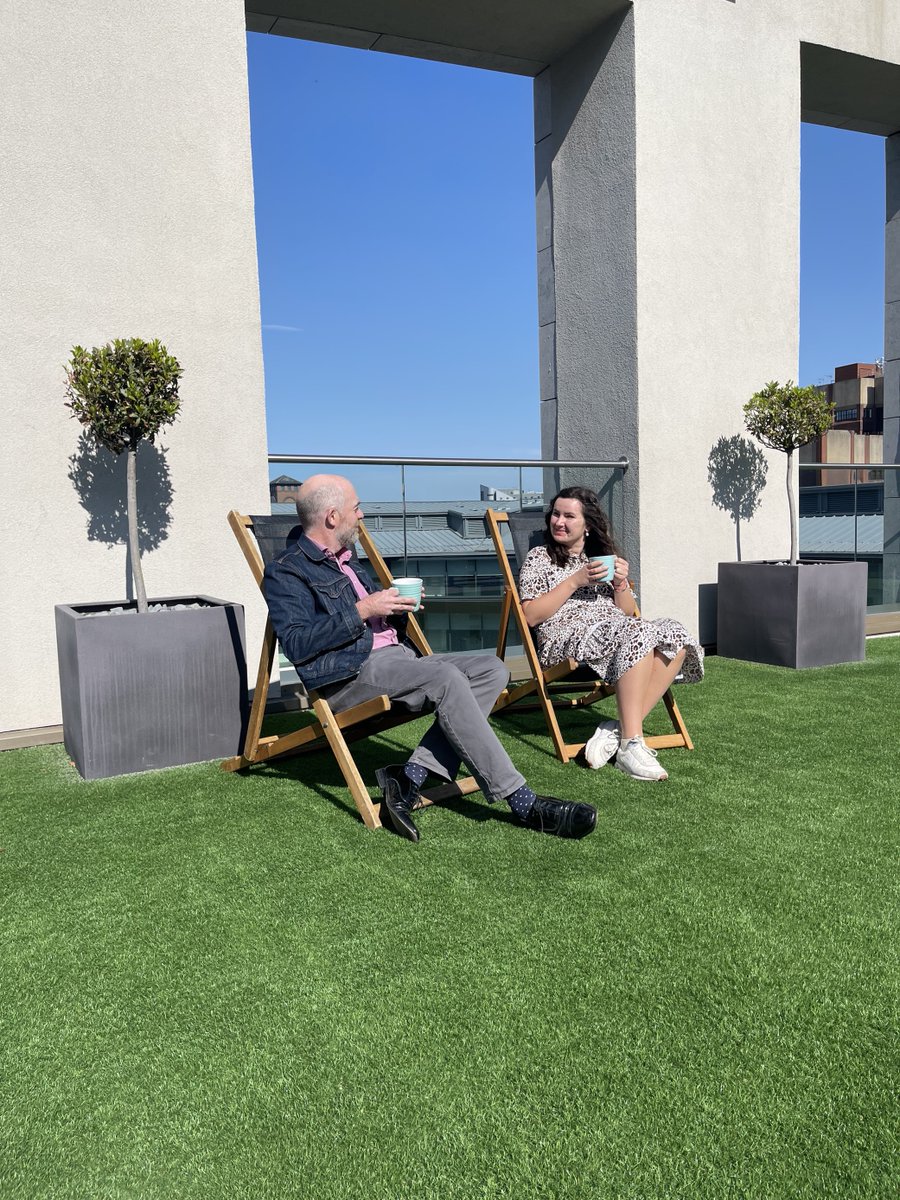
{"points": [[348, 537]]}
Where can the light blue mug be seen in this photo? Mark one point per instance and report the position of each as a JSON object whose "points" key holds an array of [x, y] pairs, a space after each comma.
{"points": [[609, 561], [410, 587]]}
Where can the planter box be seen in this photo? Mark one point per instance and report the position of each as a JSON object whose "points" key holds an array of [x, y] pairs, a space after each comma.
{"points": [[809, 615], [147, 690]]}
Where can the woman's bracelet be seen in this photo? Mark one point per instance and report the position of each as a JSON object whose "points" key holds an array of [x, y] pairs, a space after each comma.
{"points": [[622, 588]]}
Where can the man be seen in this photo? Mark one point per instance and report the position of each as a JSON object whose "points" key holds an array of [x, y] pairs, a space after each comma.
{"points": [[346, 639]]}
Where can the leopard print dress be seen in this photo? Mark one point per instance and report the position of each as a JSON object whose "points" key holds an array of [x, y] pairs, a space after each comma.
{"points": [[591, 629]]}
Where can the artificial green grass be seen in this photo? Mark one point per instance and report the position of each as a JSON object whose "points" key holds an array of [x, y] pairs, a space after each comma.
{"points": [[224, 986]]}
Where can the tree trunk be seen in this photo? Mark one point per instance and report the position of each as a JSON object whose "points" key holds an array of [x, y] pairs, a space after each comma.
{"points": [[792, 508], [133, 544]]}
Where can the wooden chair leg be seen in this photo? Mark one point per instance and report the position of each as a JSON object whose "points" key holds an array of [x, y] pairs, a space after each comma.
{"points": [[543, 696], [676, 718], [503, 631], [546, 703], [260, 692], [349, 770], [258, 707]]}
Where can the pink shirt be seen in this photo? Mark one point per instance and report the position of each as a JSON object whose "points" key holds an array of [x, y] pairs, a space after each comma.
{"points": [[383, 633]]}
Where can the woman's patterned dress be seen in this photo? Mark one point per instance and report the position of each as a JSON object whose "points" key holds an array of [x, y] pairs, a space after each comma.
{"points": [[591, 629]]}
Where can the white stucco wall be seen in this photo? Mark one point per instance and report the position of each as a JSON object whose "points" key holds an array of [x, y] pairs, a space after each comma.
{"points": [[127, 210], [713, 98], [718, 211], [717, 101], [868, 27]]}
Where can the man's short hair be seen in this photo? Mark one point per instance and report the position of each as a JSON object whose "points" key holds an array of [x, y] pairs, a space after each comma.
{"points": [[312, 506]]}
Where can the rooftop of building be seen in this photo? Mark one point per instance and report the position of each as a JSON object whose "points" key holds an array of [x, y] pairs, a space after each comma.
{"points": [[857, 371]]}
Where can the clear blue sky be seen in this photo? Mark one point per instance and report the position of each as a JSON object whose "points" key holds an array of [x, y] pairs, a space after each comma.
{"points": [[395, 228]]}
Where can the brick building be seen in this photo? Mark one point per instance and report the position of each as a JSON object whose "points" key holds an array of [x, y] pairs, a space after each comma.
{"points": [[856, 435], [283, 489]]}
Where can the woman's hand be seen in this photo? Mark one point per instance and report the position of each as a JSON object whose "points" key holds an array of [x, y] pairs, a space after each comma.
{"points": [[586, 575], [620, 575], [594, 573], [623, 597]]}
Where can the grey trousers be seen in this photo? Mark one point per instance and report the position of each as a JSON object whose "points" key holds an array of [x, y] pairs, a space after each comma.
{"points": [[463, 689]]}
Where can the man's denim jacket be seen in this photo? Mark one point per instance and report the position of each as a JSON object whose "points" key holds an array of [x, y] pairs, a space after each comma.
{"points": [[312, 605]]}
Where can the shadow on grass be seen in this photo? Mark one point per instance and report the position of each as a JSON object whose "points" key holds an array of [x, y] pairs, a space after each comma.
{"points": [[524, 732], [318, 772], [527, 725]]}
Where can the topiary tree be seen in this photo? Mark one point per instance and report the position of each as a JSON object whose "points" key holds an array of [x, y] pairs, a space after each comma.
{"points": [[123, 393], [785, 418]]}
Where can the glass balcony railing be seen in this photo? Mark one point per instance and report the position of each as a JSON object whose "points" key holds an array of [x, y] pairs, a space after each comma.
{"points": [[426, 516], [427, 519], [851, 511]]}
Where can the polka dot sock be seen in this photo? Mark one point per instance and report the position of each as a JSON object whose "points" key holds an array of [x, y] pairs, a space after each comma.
{"points": [[521, 801], [416, 773]]}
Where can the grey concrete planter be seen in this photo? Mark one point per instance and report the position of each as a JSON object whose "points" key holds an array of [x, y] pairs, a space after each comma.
{"points": [[147, 690], [809, 615]]}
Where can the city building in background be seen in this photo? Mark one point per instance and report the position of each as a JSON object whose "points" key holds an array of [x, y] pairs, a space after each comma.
{"points": [[841, 518], [283, 489], [512, 495], [857, 432]]}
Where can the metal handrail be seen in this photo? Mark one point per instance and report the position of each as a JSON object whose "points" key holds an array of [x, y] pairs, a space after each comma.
{"points": [[371, 460]]}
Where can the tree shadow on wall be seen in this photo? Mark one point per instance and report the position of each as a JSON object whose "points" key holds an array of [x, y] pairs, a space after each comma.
{"points": [[737, 474], [98, 477]]}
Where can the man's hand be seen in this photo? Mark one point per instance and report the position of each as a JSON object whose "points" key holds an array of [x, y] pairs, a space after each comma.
{"points": [[387, 603]]}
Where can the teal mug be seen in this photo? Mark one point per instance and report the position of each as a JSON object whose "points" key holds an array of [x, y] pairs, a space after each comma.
{"points": [[410, 587], [609, 561]]}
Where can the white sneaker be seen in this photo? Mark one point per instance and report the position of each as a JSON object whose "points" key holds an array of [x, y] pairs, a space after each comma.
{"points": [[636, 759], [602, 744]]}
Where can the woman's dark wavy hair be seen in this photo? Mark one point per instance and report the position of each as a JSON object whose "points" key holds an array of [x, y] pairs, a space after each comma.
{"points": [[598, 538]]}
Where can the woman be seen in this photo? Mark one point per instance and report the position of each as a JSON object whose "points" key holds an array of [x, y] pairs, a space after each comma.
{"points": [[580, 613]]}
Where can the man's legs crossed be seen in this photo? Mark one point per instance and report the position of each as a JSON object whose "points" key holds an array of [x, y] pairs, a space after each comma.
{"points": [[463, 690], [462, 700], [487, 676]]}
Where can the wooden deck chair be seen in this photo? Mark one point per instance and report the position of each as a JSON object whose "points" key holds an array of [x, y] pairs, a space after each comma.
{"points": [[548, 684], [261, 539]]}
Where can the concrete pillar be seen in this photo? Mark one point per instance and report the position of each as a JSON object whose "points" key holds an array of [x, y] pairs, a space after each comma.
{"points": [[891, 593], [668, 257], [585, 190]]}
